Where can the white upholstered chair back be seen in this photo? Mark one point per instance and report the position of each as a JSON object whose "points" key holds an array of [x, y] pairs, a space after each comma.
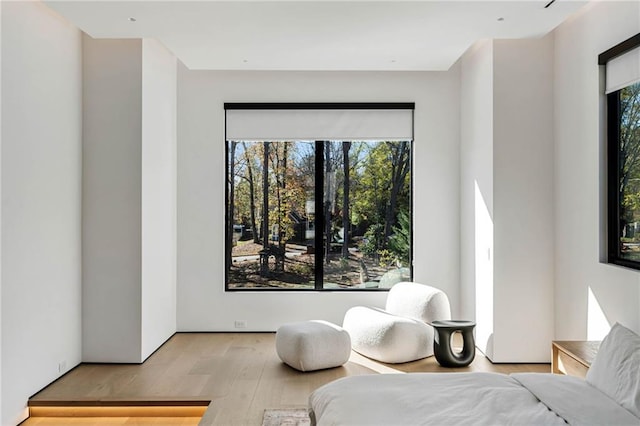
{"points": [[418, 301]]}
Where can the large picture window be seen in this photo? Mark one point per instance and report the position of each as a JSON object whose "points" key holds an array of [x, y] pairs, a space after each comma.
{"points": [[623, 152], [317, 214]]}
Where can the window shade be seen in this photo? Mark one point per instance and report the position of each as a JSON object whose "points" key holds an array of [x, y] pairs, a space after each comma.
{"points": [[623, 70], [319, 124]]}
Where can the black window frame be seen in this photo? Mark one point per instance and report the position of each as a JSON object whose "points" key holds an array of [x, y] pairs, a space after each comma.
{"points": [[614, 231], [319, 198]]}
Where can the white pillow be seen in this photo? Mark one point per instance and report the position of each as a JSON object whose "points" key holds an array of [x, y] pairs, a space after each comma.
{"points": [[616, 369]]}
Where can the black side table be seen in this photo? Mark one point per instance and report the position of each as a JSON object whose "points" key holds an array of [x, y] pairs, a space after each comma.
{"points": [[442, 331]]}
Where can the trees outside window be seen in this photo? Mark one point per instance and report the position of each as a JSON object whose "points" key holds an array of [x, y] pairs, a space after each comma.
{"points": [[318, 214], [624, 176]]}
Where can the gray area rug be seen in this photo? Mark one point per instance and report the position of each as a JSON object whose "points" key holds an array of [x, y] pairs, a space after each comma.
{"points": [[286, 417]]}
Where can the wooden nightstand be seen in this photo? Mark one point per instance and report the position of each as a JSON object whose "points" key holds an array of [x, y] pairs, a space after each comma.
{"points": [[572, 357]]}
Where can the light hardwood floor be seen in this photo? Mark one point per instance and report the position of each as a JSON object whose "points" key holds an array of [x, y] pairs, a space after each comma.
{"points": [[111, 421], [240, 373]]}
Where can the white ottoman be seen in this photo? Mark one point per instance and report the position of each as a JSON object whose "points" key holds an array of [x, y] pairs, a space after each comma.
{"points": [[313, 345]]}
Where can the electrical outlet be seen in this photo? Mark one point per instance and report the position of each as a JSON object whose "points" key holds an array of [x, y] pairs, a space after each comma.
{"points": [[241, 323], [62, 366]]}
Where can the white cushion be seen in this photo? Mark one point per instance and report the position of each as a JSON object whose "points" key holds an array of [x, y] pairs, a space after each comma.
{"points": [[386, 337], [616, 369], [418, 301], [313, 345]]}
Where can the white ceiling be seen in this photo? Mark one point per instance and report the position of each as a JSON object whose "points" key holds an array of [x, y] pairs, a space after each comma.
{"points": [[317, 35]]}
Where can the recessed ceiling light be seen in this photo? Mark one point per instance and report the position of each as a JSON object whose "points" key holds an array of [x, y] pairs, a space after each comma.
{"points": [[132, 19], [500, 19]]}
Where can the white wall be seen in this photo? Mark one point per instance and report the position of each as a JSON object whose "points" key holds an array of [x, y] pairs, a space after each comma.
{"points": [[202, 302], [579, 176], [523, 200], [41, 207], [129, 216], [159, 83], [0, 213], [506, 197], [476, 190], [111, 216]]}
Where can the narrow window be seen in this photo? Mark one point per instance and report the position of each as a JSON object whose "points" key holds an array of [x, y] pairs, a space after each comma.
{"points": [[623, 151]]}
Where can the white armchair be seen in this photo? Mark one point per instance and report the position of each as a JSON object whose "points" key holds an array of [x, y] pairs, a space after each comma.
{"points": [[401, 332]]}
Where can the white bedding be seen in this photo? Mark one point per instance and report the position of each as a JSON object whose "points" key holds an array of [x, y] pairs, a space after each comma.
{"points": [[575, 400], [464, 399]]}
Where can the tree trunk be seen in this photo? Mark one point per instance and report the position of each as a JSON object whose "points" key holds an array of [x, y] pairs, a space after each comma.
{"points": [[265, 196], [276, 172], [252, 197], [401, 161], [327, 202], [346, 146], [231, 206], [282, 194], [391, 207]]}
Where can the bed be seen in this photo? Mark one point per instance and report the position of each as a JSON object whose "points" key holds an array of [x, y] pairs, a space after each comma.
{"points": [[610, 395]]}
